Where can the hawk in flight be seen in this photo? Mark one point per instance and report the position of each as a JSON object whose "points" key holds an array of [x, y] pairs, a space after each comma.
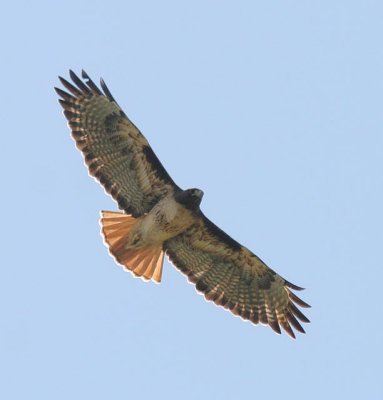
{"points": [[158, 217]]}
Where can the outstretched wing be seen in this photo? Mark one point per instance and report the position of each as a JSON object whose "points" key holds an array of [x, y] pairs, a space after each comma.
{"points": [[115, 151], [231, 276]]}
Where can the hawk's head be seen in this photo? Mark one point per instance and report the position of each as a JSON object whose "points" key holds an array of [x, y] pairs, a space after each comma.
{"points": [[190, 198]]}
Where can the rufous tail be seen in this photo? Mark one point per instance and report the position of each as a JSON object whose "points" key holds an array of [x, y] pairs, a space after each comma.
{"points": [[145, 262]]}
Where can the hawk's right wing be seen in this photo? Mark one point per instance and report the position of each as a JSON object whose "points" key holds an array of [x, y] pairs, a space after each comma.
{"points": [[115, 151]]}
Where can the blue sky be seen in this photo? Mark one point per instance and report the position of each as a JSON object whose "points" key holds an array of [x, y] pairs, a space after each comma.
{"points": [[274, 109]]}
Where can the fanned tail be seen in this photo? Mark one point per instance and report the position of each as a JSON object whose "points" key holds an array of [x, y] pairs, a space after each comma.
{"points": [[145, 262]]}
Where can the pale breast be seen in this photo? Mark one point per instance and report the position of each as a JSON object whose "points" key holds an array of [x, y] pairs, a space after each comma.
{"points": [[167, 219]]}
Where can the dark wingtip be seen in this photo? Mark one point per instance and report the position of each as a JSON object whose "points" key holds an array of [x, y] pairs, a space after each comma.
{"points": [[293, 297], [275, 326], [72, 74], [291, 333], [294, 322], [64, 104], [80, 84], [62, 80], [106, 90], [64, 95], [92, 86], [284, 323], [298, 313], [84, 74], [292, 286], [74, 90]]}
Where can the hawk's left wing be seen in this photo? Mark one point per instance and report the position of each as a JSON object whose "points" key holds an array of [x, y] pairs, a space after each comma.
{"points": [[233, 277]]}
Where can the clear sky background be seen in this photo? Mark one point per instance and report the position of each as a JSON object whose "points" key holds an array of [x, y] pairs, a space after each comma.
{"points": [[274, 109]]}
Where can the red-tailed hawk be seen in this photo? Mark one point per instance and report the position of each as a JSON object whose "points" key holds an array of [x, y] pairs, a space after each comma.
{"points": [[160, 218]]}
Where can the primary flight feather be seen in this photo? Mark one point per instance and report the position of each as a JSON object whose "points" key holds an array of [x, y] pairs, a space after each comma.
{"points": [[160, 218]]}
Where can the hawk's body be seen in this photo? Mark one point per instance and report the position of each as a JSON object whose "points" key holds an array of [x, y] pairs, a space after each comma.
{"points": [[159, 217]]}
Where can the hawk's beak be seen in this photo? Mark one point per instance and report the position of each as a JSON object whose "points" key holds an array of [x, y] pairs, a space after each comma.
{"points": [[198, 193]]}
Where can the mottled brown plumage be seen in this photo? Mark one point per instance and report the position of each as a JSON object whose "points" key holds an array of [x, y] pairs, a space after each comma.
{"points": [[158, 217]]}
